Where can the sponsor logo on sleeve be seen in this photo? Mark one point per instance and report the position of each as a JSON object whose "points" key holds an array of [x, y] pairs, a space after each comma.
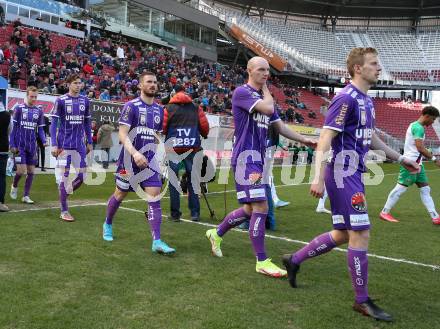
{"points": [[341, 116], [126, 113]]}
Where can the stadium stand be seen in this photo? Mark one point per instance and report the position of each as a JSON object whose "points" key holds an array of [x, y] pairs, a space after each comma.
{"points": [[393, 116], [405, 56], [212, 84], [96, 58]]}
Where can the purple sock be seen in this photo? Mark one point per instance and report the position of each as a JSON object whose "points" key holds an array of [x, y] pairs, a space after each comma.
{"points": [[257, 228], [318, 246], [16, 180], [154, 216], [63, 197], [358, 266], [78, 181], [112, 206], [233, 219], [28, 184]]}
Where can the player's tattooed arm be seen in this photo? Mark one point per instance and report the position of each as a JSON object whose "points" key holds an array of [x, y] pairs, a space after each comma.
{"points": [[322, 152]]}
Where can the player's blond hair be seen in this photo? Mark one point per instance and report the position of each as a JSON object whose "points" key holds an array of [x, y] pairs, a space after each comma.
{"points": [[357, 57], [31, 89]]}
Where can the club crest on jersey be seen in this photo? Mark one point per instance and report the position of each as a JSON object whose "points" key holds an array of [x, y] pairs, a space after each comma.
{"points": [[358, 202], [142, 119], [35, 116], [341, 116], [156, 119], [363, 117], [82, 107]]}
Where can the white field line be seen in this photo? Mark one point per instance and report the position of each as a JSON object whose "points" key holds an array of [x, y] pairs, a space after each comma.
{"points": [[396, 260], [165, 197]]}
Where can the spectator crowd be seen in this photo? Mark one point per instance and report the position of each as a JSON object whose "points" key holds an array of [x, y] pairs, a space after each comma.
{"points": [[110, 65]]}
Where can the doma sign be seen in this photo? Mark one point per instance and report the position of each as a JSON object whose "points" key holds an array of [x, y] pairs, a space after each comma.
{"points": [[102, 111]]}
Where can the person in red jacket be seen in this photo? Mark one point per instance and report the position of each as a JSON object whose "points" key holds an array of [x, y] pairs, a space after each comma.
{"points": [[88, 68], [184, 123]]}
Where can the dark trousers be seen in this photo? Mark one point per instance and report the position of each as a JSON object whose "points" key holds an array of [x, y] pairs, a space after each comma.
{"points": [[42, 149], [106, 158], [193, 199], [3, 162]]}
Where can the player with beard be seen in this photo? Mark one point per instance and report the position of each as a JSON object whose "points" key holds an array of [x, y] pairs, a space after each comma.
{"points": [[70, 126], [27, 117], [349, 131], [141, 119]]}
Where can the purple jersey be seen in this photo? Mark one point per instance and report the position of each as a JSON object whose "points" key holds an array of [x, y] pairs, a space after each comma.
{"points": [[73, 114], [26, 120], [144, 121], [351, 113], [250, 126]]}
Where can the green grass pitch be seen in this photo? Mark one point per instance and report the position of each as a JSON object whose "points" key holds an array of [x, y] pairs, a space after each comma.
{"points": [[57, 275]]}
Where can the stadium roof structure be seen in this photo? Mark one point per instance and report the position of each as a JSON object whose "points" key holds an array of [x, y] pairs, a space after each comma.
{"points": [[344, 8]]}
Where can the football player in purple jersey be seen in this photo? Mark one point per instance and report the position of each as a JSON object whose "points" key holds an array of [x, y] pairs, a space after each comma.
{"points": [[349, 130], [253, 110], [26, 119], [140, 121], [70, 127]]}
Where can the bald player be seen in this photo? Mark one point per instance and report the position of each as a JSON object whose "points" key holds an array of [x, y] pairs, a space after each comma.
{"points": [[253, 111]]}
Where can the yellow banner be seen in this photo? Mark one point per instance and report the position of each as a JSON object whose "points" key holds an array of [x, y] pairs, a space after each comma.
{"points": [[303, 130]]}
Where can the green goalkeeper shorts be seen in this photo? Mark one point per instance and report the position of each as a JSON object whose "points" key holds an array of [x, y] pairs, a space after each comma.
{"points": [[408, 179]]}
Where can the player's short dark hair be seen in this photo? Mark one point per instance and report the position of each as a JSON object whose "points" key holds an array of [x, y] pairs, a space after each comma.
{"points": [[144, 74], [72, 77], [431, 110]]}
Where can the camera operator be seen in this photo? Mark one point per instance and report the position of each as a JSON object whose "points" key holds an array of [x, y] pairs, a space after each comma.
{"points": [[184, 122]]}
